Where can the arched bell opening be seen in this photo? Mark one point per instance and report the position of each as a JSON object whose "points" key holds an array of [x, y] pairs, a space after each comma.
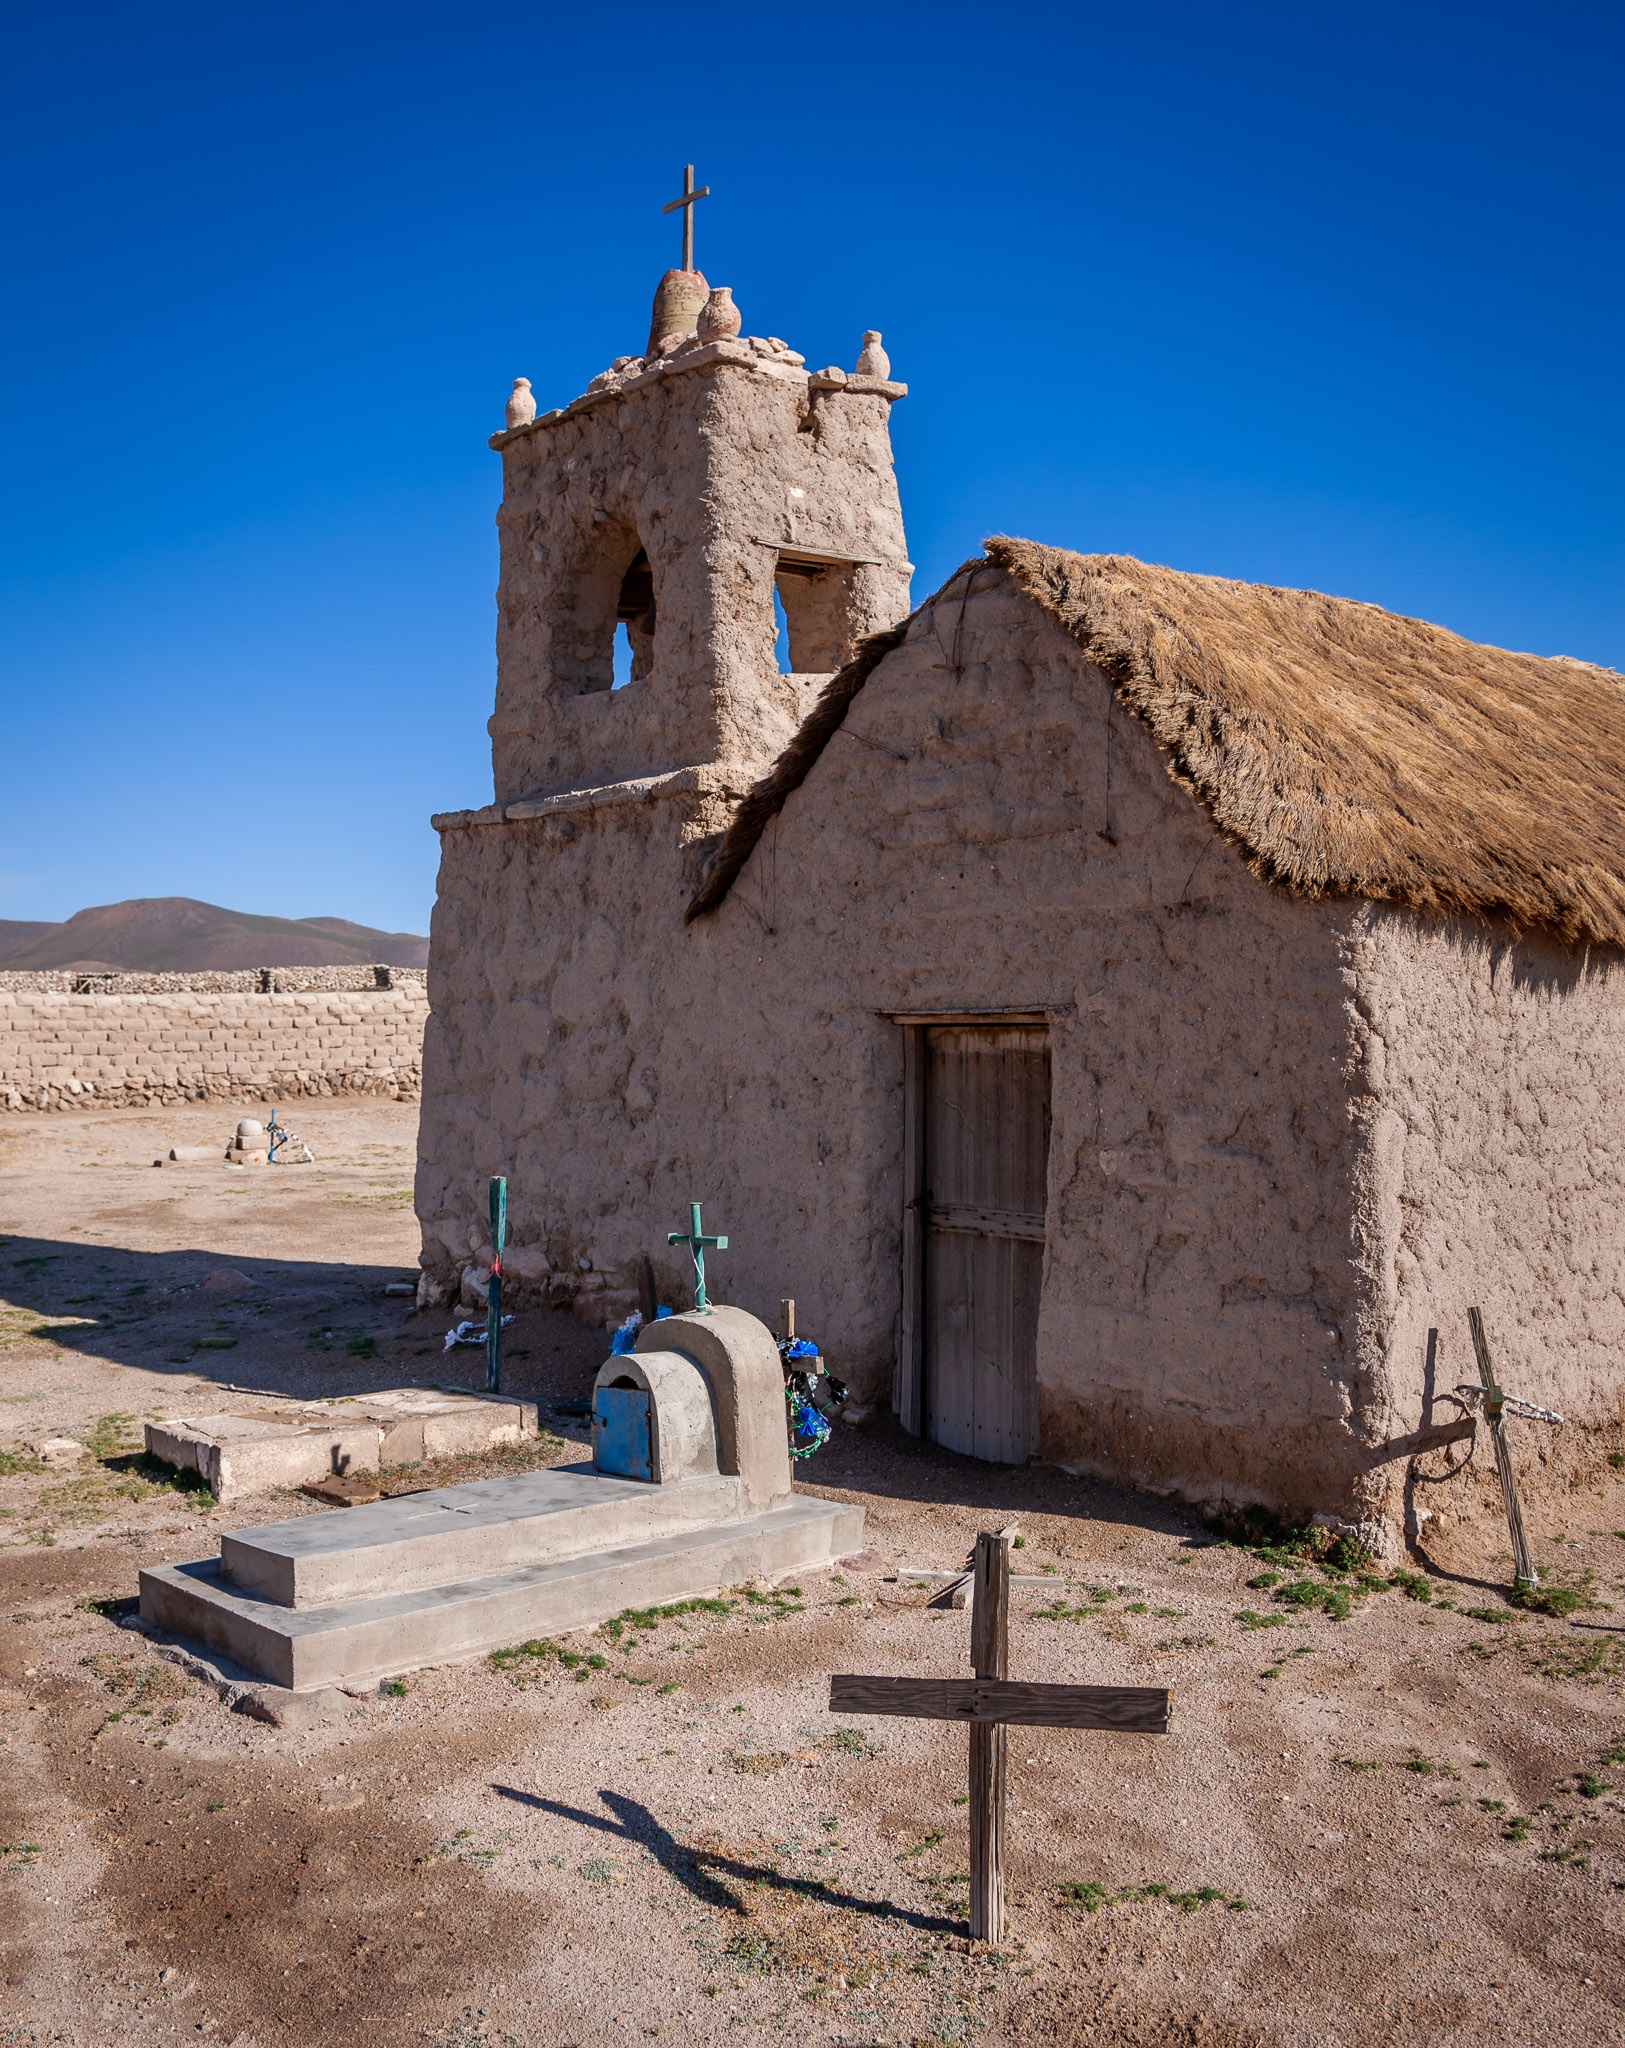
{"points": [[635, 622], [608, 594]]}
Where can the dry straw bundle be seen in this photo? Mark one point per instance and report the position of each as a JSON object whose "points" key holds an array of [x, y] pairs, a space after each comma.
{"points": [[1345, 750]]}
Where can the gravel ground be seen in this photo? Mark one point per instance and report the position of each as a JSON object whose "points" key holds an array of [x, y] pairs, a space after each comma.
{"points": [[1399, 1826]]}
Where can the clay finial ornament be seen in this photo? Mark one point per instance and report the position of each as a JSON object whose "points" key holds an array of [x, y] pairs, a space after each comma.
{"points": [[719, 320], [874, 361], [521, 406]]}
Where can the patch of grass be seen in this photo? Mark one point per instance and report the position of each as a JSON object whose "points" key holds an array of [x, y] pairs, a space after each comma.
{"points": [[1517, 1829], [362, 1347], [1557, 1601], [1308, 1593], [11, 1465], [1493, 1805], [647, 1619], [1358, 1763], [1249, 1620], [108, 1435], [1060, 1611], [850, 1742], [1616, 1459], [1592, 1663], [523, 1662], [662, 1691], [1263, 1582], [1091, 1896], [393, 1690], [1590, 1787], [214, 1343], [1495, 1616]]}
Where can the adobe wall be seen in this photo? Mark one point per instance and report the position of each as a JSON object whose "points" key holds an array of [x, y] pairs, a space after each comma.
{"points": [[1487, 1073], [59, 1050], [713, 460], [1201, 1328]]}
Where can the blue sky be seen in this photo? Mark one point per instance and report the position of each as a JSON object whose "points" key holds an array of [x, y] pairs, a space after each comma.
{"points": [[1314, 296]]}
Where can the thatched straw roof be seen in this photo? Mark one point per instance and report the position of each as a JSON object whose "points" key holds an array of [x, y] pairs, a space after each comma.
{"points": [[1344, 750]]}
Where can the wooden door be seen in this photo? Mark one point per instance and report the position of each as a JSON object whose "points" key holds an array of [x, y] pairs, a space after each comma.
{"points": [[985, 1157]]}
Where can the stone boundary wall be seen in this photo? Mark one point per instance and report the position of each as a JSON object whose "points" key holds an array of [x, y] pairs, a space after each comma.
{"points": [[61, 1050], [224, 981]]}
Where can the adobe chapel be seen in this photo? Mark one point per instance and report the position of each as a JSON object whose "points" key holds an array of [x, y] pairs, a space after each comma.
{"points": [[1128, 1011]]}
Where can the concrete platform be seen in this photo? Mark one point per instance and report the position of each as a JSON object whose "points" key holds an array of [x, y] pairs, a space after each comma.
{"points": [[240, 1453], [345, 1641], [428, 1539]]}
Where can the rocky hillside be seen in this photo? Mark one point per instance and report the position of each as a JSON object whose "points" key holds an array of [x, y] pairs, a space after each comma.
{"points": [[176, 934]]}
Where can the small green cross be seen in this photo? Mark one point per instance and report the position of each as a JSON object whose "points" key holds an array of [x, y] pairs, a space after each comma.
{"points": [[697, 1243]]}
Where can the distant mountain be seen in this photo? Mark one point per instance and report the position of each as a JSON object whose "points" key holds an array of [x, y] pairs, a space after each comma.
{"points": [[177, 935]]}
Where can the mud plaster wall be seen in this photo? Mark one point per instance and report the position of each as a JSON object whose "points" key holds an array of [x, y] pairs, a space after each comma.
{"points": [[1288, 1138], [1200, 1321], [71, 1052], [700, 466], [1487, 1074]]}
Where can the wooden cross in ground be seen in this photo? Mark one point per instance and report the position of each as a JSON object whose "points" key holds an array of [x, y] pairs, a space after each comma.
{"points": [[991, 1702], [690, 195], [1490, 1401], [698, 1245], [493, 1312]]}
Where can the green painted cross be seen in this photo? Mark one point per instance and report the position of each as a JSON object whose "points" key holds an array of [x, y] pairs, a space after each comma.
{"points": [[698, 1244]]}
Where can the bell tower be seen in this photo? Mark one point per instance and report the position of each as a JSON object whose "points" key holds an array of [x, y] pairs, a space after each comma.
{"points": [[674, 497]]}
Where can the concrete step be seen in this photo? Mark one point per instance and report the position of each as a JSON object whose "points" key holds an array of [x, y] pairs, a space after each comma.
{"points": [[350, 1640], [454, 1532]]}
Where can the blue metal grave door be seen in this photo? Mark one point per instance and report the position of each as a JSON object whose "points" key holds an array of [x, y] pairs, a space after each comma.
{"points": [[620, 1432]]}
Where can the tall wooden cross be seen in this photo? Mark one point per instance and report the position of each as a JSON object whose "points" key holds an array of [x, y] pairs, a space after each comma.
{"points": [[493, 1311], [1494, 1404], [991, 1702], [698, 1244], [690, 195]]}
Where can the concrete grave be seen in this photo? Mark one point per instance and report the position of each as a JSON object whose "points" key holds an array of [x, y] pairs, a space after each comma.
{"points": [[260, 1450], [426, 1578]]}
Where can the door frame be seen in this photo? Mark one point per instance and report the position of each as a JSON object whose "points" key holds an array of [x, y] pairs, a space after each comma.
{"points": [[908, 1377]]}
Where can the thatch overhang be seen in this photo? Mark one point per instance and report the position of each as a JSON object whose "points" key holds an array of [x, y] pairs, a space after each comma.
{"points": [[1344, 750]]}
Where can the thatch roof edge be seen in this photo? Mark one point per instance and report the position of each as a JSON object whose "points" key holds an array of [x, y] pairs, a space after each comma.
{"points": [[1345, 751]]}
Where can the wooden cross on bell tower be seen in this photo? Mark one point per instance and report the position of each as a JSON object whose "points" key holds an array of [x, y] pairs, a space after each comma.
{"points": [[687, 202]]}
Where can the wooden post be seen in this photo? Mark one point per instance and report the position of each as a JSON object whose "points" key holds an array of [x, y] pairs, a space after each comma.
{"points": [[908, 1379], [1523, 1565], [493, 1318], [990, 1658], [787, 1319]]}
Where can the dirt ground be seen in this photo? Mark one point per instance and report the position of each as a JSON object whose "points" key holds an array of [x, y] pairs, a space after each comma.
{"points": [[1399, 1826]]}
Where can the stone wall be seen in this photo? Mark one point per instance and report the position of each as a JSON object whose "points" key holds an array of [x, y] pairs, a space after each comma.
{"points": [[190, 1043]]}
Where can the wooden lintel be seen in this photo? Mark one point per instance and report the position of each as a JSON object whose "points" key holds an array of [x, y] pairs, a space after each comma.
{"points": [[1129, 1709], [966, 1016]]}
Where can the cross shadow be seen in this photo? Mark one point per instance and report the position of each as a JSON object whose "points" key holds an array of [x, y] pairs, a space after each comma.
{"points": [[701, 1872]]}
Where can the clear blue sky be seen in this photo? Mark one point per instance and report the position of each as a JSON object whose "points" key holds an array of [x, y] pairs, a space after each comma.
{"points": [[1307, 295]]}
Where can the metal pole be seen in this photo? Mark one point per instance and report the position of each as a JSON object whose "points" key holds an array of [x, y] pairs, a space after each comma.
{"points": [[493, 1319]]}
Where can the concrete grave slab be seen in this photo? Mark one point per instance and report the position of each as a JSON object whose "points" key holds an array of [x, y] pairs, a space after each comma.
{"points": [[245, 1452], [426, 1578], [351, 1640]]}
